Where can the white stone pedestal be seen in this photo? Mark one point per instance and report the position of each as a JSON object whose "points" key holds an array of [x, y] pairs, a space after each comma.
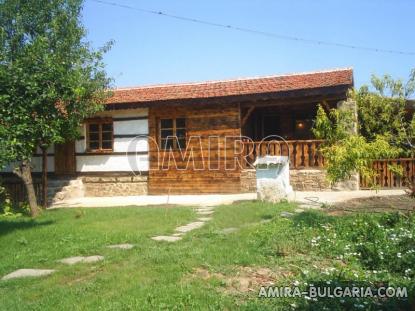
{"points": [[273, 178]]}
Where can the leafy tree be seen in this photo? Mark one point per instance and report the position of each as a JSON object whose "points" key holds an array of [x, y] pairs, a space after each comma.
{"points": [[50, 79], [386, 128]]}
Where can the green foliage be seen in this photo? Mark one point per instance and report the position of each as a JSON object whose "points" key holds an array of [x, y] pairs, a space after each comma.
{"points": [[384, 242], [385, 129], [334, 125], [356, 154], [8, 209], [50, 78], [383, 111]]}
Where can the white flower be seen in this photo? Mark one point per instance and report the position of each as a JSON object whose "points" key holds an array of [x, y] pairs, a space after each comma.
{"points": [[399, 255]]}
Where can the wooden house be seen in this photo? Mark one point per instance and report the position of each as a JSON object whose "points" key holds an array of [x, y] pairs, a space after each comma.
{"points": [[138, 144]]}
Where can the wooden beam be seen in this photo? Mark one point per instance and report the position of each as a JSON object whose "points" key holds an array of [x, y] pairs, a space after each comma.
{"points": [[311, 100], [246, 116]]}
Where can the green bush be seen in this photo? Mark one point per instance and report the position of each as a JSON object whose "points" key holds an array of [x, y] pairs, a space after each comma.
{"points": [[8, 209], [378, 243]]}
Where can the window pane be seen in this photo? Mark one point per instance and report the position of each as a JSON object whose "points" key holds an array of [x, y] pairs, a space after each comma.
{"points": [[181, 133], [93, 136], [165, 133], [107, 127], [107, 144], [93, 127], [181, 122], [166, 144], [182, 143], [166, 123], [93, 145], [107, 136]]}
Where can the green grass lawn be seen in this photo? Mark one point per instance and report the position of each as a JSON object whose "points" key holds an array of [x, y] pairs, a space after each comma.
{"points": [[210, 269]]}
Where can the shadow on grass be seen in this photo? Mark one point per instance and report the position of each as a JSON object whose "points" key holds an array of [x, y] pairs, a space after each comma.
{"points": [[312, 218], [7, 226]]}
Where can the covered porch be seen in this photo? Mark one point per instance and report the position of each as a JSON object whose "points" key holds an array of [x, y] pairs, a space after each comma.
{"points": [[283, 128]]}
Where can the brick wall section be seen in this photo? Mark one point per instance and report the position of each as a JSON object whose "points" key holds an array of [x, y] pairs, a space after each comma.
{"points": [[115, 186]]}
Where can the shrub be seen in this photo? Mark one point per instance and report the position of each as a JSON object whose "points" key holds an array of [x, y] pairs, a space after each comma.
{"points": [[8, 209], [385, 242]]}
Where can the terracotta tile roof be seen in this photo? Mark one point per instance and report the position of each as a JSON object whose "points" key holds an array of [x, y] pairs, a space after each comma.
{"points": [[248, 86]]}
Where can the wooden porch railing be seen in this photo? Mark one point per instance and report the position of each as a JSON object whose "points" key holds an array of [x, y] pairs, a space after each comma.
{"points": [[386, 178], [302, 153], [305, 154]]}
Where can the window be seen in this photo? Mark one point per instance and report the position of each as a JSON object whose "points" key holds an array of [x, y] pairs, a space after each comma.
{"points": [[172, 133], [99, 135]]}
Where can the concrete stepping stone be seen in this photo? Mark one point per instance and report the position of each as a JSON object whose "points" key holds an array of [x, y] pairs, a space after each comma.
{"points": [[22, 273], [177, 234], [204, 209], [205, 212], [81, 259], [167, 238], [190, 227], [204, 218], [121, 246], [298, 210]]}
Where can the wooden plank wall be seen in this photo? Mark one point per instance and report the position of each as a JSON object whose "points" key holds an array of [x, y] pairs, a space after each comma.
{"points": [[191, 174]]}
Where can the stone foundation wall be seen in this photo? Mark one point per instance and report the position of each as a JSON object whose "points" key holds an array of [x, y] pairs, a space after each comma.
{"points": [[96, 186], [248, 181], [300, 180], [309, 180], [303, 180]]}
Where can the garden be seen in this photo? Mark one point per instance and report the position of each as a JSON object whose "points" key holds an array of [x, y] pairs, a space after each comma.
{"points": [[223, 265]]}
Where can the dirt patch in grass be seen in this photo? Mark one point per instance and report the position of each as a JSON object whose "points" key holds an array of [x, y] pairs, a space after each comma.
{"points": [[243, 279], [394, 203]]}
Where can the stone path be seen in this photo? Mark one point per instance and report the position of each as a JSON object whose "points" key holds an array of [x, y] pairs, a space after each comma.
{"points": [[202, 212], [22, 273], [190, 227], [81, 259], [180, 231], [167, 238], [121, 246]]}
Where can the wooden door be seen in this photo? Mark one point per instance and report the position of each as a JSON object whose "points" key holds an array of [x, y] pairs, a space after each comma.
{"points": [[65, 163]]}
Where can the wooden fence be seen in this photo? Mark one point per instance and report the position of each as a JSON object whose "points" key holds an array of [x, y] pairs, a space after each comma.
{"points": [[16, 191], [302, 153], [305, 154], [386, 178]]}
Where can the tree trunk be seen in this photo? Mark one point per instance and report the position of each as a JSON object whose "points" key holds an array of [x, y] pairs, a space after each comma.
{"points": [[25, 173], [44, 177]]}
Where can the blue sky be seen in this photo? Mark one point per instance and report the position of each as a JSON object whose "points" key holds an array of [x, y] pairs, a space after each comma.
{"points": [[152, 49]]}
